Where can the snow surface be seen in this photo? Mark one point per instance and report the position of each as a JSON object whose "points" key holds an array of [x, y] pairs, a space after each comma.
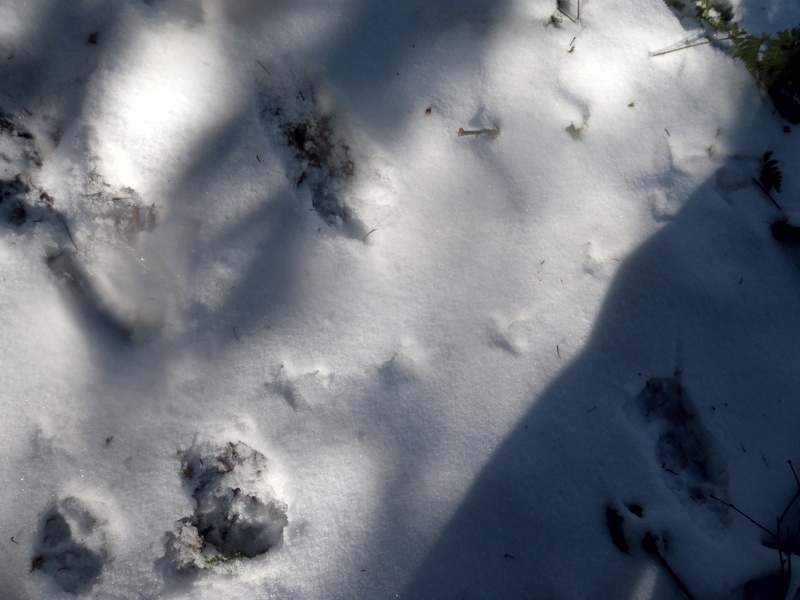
{"points": [[459, 355]]}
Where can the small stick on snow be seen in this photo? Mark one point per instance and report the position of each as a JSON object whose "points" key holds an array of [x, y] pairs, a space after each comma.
{"points": [[650, 544], [748, 517], [689, 46], [668, 470], [476, 132], [263, 67], [366, 236], [566, 15], [763, 189], [579, 10], [66, 228]]}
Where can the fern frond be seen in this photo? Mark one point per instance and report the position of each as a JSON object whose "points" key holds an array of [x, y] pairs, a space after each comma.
{"points": [[771, 176], [778, 55], [766, 57], [717, 13], [747, 48]]}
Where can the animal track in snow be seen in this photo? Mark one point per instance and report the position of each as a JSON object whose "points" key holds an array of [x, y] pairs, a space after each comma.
{"points": [[597, 262], [237, 514], [689, 455], [404, 365], [512, 336], [664, 205], [72, 546], [296, 389]]}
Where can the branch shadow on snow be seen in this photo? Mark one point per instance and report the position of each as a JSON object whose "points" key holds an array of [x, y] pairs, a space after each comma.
{"points": [[384, 41], [265, 285], [393, 37]]}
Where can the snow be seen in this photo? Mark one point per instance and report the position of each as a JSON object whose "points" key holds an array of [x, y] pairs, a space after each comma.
{"points": [[249, 243]]}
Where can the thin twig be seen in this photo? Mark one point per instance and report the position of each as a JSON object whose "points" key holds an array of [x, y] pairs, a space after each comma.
{"points": [[763, 189], [748, 517], [566, 15], [263, 67], [476, 132], [579, 10], [780, 547], [689, 46], [791, 466], [366, 236], [650, 544], [66, 228], [784, 556], [788, 506]]}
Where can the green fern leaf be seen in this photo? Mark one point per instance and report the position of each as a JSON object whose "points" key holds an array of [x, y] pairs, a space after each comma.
{"points": [[779, 55], [766, 57], [717, 13], [224, 558], [747, 48]]}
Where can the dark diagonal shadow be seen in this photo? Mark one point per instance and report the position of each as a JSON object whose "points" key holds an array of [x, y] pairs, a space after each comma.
{"points": [[533, 524]]}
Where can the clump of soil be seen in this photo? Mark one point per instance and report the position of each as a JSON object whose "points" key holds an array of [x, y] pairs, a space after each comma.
{"points": [[237, 514]]}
